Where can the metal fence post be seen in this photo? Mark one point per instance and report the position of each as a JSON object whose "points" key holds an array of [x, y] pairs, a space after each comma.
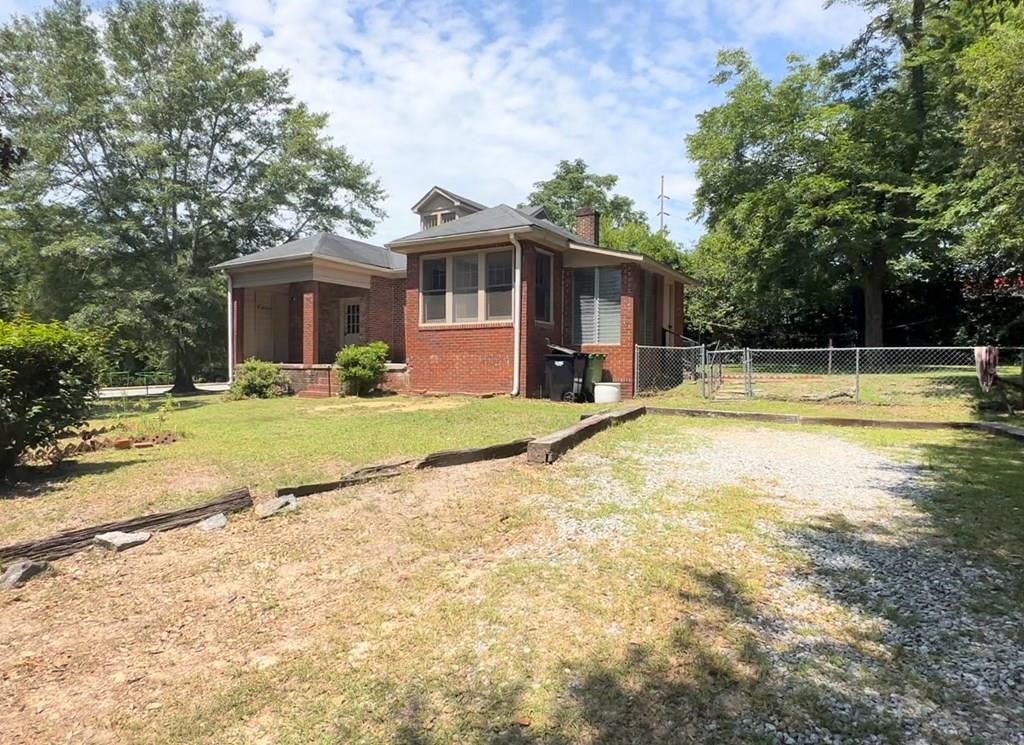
{"points": [[703, 371], [856, 367], [749, 382]]}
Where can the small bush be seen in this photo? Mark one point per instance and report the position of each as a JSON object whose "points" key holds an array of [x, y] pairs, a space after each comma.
{"points": [[258, 379], [360, 369], [48, 375]]}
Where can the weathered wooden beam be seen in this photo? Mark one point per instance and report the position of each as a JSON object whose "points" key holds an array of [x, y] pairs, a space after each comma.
{"points": [[358, 476], [72, 541], [446, 458], [551, 447]]}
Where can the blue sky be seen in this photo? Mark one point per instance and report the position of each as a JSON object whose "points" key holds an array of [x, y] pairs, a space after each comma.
{"points": [[485, 97]]}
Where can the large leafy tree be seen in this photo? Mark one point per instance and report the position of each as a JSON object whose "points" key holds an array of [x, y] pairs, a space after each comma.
{"points": [[811, 184], [573, 186], [160, 148], [10, 153]]}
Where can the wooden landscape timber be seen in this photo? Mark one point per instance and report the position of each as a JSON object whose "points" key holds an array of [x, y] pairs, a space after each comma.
{"points": [[445, 458], [548, 449], [72, 541]]}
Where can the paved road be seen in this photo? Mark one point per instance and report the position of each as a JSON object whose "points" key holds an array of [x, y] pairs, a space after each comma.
{"points": [[137, 391]]}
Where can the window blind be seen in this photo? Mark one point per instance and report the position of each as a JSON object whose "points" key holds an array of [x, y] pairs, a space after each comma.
{"points": [[597, 296]]}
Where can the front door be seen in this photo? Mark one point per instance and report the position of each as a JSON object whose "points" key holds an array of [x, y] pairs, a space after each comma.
{"points": [[352, 321]]}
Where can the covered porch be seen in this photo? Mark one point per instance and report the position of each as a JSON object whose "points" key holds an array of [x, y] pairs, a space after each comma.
{"points": [[298, 303], [296, 323]]}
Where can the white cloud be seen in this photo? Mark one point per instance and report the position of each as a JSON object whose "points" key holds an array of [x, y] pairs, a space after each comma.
{"points": [[485, 98]]}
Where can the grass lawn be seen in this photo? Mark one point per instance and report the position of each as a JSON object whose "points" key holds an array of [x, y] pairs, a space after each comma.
{"points": [[669, 581], [938, 397], [260, 444]]}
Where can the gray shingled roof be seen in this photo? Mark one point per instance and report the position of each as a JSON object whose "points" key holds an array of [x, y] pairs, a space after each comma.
{"points": [[326, 245], [501, 217]]}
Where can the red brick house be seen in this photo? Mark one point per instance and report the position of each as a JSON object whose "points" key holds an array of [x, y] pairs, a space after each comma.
{"points": [[486, 289]]}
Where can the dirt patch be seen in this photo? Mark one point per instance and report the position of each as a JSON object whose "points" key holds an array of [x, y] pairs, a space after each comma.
{"points": [[109, 640]]}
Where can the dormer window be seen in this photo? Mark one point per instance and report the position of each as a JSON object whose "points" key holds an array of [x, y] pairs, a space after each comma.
{"points": [[437, 218]]}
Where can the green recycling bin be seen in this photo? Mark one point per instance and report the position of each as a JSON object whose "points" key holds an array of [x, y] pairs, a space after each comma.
{"points": [[593, 373]]}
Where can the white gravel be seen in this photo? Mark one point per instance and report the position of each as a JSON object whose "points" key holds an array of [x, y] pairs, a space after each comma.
{"points": [[941, 658]]}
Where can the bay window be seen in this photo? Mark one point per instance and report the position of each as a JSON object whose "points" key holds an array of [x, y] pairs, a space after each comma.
{"points": [[597, 299], [467, 287]]}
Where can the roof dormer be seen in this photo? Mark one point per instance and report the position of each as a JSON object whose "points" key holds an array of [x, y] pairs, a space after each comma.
{"points": [[439, 206]]}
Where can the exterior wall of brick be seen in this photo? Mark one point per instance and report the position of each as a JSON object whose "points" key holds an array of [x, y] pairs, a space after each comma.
{"points": [[385, 310], [477, 358], [463, 358], [318, 377]]}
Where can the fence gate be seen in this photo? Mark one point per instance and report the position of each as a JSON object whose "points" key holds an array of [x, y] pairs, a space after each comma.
{"points": [[728, 374]]}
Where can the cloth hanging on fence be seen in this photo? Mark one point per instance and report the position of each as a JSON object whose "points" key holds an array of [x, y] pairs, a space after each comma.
{"points": [[986, 359]]}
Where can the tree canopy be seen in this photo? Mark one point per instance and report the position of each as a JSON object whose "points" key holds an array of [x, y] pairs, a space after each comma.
{"points": [[865, 193], [159, 148], [573, 186]]}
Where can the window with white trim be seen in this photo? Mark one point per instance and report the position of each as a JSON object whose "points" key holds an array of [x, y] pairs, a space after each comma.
{"points": [[499, 285], [466, 300], [597, 305], [544, 291], [433, 290], [467, 287]]}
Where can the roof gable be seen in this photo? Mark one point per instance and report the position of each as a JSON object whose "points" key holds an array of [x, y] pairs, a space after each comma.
{"points": [[451, 196], [490, 220]]}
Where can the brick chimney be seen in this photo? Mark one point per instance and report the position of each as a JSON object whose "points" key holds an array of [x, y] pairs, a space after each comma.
{"points": [[588, 224]]}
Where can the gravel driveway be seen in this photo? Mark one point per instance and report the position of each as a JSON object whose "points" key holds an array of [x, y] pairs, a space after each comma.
{"points": [[873, 621]]}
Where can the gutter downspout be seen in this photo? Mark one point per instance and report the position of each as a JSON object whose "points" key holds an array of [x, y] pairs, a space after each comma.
{"points": [[517, 321], [231, 333]]}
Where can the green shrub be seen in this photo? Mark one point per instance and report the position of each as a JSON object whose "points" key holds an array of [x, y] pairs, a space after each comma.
{"points": [[360, 369], [258, 379], [48, 375]]}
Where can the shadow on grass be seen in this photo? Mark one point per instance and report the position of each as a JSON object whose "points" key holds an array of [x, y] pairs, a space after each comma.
{"points": [[978, 498], [27, 482]]}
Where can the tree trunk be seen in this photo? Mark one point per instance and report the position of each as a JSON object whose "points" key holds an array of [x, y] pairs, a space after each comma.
{"points": [[182, 373], [874, 290]]}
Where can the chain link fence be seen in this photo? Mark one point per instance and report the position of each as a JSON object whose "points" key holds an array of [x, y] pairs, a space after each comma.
{"points": [[869, 375], [665, 368]]}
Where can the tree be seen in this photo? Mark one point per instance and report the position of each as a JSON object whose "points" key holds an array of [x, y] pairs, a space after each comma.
{"points": [[169, 150], [814, 178], [637, 237], [572, 186], [11, 154]]}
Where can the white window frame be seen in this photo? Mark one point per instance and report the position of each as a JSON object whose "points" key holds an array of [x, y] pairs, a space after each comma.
{"points": [[551, 290], [449, 290]]}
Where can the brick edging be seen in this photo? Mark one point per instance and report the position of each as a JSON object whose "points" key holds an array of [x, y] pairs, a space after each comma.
{"points": [[996, 428]]}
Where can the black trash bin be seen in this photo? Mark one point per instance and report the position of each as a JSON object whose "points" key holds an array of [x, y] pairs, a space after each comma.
{"points": [[563, 376]]}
